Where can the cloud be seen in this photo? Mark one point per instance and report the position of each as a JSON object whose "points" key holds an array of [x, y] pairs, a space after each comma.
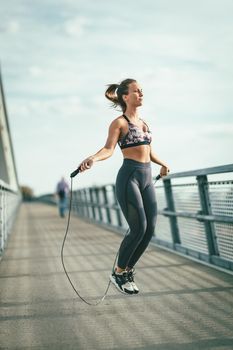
{"points": [[47, 111], [75, 27], [35, 71], [10, 27]]}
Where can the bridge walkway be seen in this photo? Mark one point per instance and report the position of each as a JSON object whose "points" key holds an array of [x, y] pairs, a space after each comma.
{"points": [[182, 305]]}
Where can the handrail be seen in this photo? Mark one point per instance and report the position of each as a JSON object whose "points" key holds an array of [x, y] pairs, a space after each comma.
{"points": [[9, 204], [10, 196], [7, 187], [195, 219], [206, 171]]}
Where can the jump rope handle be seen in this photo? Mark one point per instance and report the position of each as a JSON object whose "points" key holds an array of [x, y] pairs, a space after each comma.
{"points": [[74, 173]]}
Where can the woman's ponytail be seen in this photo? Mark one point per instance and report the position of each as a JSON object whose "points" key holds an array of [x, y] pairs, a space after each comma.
{"points": [[111, 95]]}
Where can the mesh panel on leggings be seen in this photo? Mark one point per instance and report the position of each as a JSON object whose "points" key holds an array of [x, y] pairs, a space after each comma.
{"points": [[133, 216]]}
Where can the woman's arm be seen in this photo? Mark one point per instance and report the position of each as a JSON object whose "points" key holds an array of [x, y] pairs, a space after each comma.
{"points": [[153, 157], [107, 150]]}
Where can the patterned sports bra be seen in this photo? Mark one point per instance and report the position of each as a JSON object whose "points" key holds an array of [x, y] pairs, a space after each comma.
{"points": [[135, 136]]}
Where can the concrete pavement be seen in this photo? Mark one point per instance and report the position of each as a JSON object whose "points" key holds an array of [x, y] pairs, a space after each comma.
{"points": [[182, 305]]}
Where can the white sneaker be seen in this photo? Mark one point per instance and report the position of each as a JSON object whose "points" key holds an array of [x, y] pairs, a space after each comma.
{"points": [[121, 282], [131, 280]]}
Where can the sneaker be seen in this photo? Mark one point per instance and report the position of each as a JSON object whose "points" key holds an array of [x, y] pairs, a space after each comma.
{"points": [[121, 282], [131, 280]]}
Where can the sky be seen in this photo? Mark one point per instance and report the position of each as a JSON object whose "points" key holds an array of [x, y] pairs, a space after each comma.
{"points": [[58, 56]]}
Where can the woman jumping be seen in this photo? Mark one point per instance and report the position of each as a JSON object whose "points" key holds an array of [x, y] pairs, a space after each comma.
{"points": [[134, 186]]}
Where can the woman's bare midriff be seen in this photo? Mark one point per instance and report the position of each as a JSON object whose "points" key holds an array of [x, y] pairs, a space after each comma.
{"points": [[138, 153]]}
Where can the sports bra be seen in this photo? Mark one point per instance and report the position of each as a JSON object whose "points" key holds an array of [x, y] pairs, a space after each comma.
{"points": [[135, 136]]}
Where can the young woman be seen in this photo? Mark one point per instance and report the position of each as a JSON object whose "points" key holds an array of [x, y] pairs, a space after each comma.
{"points": [[134, 186]]}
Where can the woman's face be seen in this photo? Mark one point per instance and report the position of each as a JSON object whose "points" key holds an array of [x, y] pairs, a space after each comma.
{"points": [[135, 95]]}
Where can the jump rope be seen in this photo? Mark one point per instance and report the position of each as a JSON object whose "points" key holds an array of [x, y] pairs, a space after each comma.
{"points": [[72, 175]]}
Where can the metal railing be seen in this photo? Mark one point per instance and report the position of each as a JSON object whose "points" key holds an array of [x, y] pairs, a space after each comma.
{"points": [[195, 213], [48, 198], [9, 204]]}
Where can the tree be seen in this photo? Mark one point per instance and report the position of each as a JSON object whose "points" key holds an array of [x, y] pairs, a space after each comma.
{"points": [[27, 193]]}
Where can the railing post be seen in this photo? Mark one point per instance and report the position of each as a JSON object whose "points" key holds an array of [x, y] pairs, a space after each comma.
{"points": [[98, 202], [75, 207], [6, 207], [171, 207], [86, 203], [106, 205], [81, 201], [203, 188], [4, 217], [117, 209], [80, 198], [78, 207], [9, 202], [92, 203]]}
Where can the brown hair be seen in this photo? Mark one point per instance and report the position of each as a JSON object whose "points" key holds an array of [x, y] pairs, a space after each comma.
{"points": [[115, 93]]}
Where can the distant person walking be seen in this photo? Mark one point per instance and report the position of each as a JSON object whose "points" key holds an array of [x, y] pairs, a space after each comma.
{"points": [[62, 191], [134, 186]]}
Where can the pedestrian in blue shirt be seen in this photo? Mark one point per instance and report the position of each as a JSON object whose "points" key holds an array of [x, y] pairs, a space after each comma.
{"points": [[62, 191]]}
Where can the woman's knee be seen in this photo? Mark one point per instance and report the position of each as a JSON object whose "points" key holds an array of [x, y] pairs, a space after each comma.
{"points": [[137, 232], [150, 229]]}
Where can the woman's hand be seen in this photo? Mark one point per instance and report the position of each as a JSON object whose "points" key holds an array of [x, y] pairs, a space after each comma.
{"points": [[164, 171], [86, 164]]}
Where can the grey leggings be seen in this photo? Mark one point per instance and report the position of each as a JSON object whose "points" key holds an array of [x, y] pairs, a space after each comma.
{"points": [[136, 195]]}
